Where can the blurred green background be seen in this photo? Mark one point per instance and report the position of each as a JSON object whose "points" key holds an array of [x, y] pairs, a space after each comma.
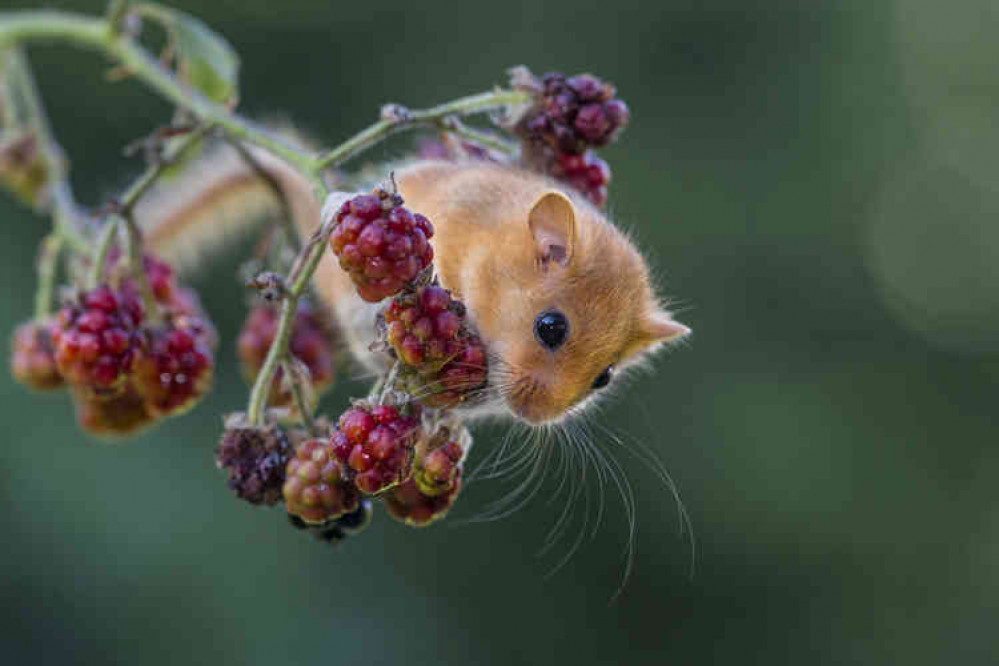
{"points": [[816, 183]]}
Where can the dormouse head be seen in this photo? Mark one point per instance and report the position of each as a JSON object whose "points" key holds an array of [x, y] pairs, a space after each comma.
{"points": [[580, 309]]}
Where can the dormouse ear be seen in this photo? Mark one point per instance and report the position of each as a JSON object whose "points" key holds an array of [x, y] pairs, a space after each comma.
{"points": [[660, 327], [552, 221]]}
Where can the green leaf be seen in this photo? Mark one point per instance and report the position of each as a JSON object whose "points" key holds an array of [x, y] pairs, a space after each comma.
{"points": [[205, 60]]}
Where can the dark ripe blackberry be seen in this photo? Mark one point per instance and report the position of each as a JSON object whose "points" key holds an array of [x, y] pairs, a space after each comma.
{"points": [[571, 114], [125, 413], [376, 444], [175, 368], [380, 244], [410, 505], [97, 340], [338, 530], [310, 343], [254, 460], [315, 489], [32, 357], [587, 173]]}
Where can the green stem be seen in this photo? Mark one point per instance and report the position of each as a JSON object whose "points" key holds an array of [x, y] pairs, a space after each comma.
{"points": [[115, 13], [395, 118], [48, 263], [454, 126], [97, 34], [68, 220], [301, 404], [101, 252], [50, 25], [298, 280]]}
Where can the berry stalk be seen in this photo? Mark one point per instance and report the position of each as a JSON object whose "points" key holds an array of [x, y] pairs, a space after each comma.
{"points": [[48, 263], [100, 253], [395, 118], [296, 283], [298, 396], [65, 213]]}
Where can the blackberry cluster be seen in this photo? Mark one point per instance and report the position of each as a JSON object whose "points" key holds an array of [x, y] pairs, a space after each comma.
{"points": [[336, 531], [586, 172], [380, 244], [97, 340], [436, 480], [435, 474], [444, 361], [32, 359], [310, 343], [123, 414], [453, 383], [573, 113], [175, 369], [315, 489], [126, 367], [408, 504], [376, 444], [422, 326], [254, 460]]}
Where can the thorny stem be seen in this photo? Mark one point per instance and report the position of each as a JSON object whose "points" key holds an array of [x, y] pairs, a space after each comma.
{"points": [[101, 252], [97, 34], [297, 281], [48, 263], [395, 118], [454, 126]]}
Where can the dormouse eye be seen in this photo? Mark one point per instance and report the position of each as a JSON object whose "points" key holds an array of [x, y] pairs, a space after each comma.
{"points": [[603, 379], [551, 328]]}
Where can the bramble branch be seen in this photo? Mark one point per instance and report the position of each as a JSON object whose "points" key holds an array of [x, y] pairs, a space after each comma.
{"points": [[103, 35]]}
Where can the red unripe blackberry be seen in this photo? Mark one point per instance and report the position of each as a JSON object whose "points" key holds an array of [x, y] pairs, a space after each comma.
{"points": [[159, 274], [175, 368], [254, 460], [97, 339], [315, 490], [32, 357], [422, 326], [571, 114], [310, 343], [407, 503], [123, 414], [436, 472], [587, 173], [381, 245], [454, 382], [376, 444]]}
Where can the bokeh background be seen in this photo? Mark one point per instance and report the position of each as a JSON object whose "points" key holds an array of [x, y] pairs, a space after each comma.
{"points": [[816, 183]]}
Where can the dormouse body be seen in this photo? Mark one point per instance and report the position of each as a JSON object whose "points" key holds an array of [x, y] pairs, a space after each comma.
{"points": [[560, 296]]}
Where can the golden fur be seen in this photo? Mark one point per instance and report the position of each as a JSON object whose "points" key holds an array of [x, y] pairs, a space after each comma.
{"points": [[493, 227]]}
